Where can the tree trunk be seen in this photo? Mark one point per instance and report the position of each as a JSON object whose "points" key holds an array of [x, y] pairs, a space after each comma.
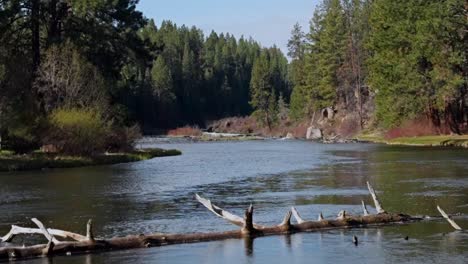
{"points": [[35, 34]]}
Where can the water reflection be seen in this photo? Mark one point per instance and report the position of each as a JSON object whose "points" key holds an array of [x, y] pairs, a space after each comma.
{"points": [[249, 246]]}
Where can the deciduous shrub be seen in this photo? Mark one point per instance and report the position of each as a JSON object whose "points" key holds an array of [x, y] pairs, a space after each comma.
{"points": [[78, 131]]}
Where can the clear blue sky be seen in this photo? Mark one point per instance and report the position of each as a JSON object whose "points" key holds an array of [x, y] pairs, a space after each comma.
{"points": [[267, 21]]}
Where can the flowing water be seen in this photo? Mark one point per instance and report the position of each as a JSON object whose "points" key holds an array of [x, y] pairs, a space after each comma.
{"points": [[158, 196]]}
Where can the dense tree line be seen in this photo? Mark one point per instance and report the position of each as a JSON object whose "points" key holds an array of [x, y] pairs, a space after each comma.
{"points": [[410, 54], [62, 61], [189, 79]]}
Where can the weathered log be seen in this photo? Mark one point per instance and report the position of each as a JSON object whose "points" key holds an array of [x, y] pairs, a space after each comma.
{"points": [[248, 230]]}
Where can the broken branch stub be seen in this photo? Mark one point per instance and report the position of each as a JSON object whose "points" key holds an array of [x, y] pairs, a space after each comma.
{"points": [[286, 224], [378, 207], [248, 227], [342, 215], [297, 216], [89, 230], [320, 217], [364, 208]]}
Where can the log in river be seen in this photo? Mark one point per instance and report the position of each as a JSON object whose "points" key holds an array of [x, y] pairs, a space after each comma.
{"points": [[79, 244]]}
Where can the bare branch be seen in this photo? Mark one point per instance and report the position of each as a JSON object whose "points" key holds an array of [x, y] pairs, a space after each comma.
{"points": [[297, 216], [449, 219], [342, 215], [43, 229], [18, 230], [320, 217], [378, 207], [248, 227], [235, 219], [364, 208], [287, 219]]}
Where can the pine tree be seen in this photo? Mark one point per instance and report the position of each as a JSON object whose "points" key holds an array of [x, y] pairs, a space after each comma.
{"points": [[296, 72], [283, 109], [262, 92], [161, 79], [296, 44], [327, 54], [417, 63]]}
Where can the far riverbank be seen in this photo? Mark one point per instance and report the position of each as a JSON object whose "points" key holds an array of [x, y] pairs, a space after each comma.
{"points": [[39, 160], [428, 141]]}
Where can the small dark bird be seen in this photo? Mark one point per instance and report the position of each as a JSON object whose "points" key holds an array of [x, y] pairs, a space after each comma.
{"points": [[355, 240], [407, 237]]}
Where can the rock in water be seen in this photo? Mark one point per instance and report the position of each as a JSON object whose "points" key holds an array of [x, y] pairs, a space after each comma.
{"points": [[314, 133]]}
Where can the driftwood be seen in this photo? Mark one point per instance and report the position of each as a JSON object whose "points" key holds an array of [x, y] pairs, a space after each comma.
{"points": [[78, 244], [449, 219]]}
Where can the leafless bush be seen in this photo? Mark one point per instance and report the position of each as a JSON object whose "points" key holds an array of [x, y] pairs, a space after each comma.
{"points": [[185, 131], [67, 80]]}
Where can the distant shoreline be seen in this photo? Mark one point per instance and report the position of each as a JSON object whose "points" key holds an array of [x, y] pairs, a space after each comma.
{"points": [[38, 161], [420, 141]]}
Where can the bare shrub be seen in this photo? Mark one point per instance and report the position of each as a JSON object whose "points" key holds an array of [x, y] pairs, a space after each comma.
{"points": [[122, 139], [67, 80], [185, 131], [415, 128]]}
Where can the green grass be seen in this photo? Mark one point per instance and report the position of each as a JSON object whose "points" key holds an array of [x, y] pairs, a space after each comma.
{"points": [[442, 140], [37, 160]]}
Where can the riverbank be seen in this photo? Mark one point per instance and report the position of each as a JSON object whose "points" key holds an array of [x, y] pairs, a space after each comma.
{"points": [[39, 160], [430, 141], [208, 137]]}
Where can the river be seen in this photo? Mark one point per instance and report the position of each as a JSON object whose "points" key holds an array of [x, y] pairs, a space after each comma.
{"points": [[158, 196]]}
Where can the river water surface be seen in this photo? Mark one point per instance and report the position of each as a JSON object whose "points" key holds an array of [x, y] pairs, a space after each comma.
{"points": [[158, 196]]}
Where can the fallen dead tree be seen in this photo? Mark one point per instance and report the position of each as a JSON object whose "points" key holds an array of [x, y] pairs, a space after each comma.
{"points": [[78, 244]]}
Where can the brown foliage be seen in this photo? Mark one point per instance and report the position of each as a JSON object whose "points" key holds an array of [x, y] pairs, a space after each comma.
{"points": [[238, 125], [185, 131], [415, 128]]}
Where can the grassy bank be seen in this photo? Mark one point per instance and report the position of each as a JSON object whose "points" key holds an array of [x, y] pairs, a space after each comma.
{"points": [[435, 141], [37, 161]]}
